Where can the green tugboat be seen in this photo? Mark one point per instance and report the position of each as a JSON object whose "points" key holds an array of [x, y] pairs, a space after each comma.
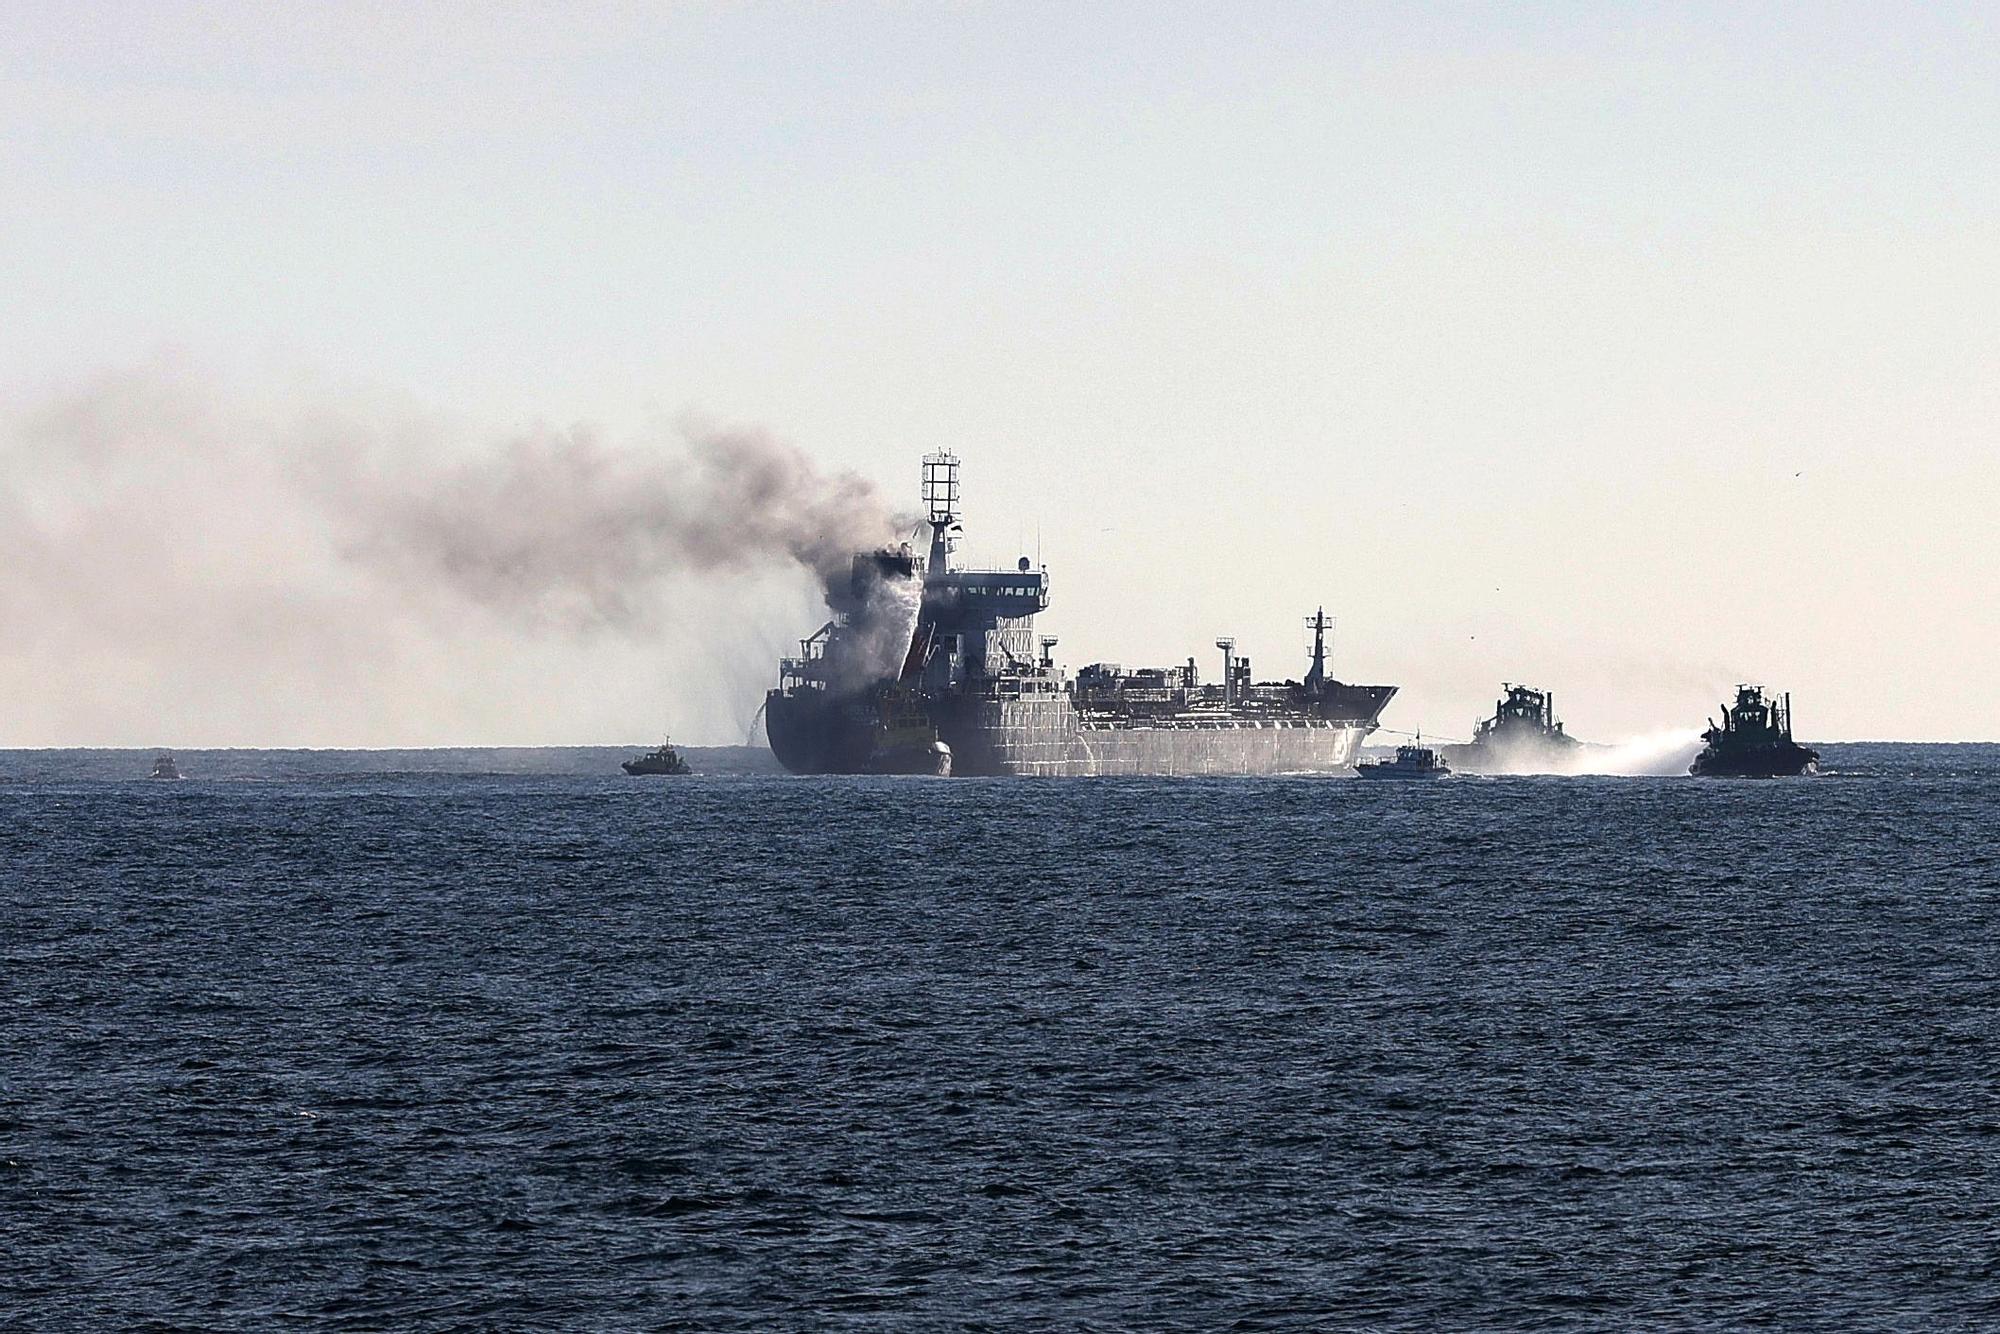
{"points": [[1754, 741], [662, 761]]}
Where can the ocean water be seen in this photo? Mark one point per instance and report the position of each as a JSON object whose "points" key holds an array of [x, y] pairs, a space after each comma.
{"points": [[333, 1041]]}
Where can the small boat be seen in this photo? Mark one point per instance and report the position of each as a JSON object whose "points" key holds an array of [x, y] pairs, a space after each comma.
{"points": [[164, 766], [1754, 741], [1410, 762], [665, 760]]}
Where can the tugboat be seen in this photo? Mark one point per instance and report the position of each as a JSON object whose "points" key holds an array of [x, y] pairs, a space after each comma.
{"points": [[164, 767], [1411, 762], [907, 742], [1754, 740], [1522, 737], [662, 761]]}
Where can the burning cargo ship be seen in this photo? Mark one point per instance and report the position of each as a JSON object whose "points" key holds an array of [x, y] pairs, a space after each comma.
{"points": [[928, 668]]}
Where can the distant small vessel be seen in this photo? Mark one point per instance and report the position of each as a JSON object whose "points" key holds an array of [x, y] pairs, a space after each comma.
{"points": [[662, 761], [1754, 740], [1410, 762], [164, 767]]}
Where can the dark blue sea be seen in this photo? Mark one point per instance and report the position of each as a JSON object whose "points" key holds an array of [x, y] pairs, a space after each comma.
{"points": [[433, 1041]]}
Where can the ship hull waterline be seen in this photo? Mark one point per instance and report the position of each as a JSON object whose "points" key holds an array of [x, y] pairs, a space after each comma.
{"points": [[1043, 737]]}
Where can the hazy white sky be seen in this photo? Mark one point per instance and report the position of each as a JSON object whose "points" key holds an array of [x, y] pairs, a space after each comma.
{"points": [[1627, 350]]}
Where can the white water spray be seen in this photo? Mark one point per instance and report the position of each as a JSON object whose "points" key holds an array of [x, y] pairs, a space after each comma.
{"points": [[1661, 753]]}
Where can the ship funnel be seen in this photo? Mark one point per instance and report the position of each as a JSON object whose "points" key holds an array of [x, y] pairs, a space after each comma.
{"points": [[1228, 647]]}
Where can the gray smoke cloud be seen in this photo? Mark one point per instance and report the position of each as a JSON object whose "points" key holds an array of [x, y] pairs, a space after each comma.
{"points": [[188, 566], [565, 529]]}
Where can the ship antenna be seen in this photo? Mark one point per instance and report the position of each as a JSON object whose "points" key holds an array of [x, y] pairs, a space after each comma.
{"points": [[941, 504]]}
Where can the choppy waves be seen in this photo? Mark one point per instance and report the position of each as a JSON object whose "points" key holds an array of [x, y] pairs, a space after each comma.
{"points": [[453, 1052]]}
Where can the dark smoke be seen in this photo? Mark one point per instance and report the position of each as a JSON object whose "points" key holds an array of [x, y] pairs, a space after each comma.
{"points": [[561, 528], [188, 565]]}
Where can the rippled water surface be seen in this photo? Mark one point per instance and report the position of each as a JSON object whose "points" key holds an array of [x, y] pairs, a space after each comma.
{"points": [[310, 1046]]}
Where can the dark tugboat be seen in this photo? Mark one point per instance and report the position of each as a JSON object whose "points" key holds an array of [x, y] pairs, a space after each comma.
{"points": [[1410, 762], [662, 761], [1522, 737], [1754, 741], [164, 766]]}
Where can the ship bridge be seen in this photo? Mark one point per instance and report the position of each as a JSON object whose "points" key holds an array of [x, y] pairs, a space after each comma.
{"points": [[988, 594], [976, 629], [978, 625]]}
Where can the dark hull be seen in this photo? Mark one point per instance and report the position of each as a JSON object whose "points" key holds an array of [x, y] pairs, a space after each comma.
{"points": [[1044, 736], [1786, 760], [809, 735]]}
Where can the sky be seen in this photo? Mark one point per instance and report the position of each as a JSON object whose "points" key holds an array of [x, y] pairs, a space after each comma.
{"points": [[1627, 351]]}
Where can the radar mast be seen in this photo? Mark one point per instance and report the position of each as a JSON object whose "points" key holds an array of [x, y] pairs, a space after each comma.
{"points": [[1319, 624], [941, 505]]}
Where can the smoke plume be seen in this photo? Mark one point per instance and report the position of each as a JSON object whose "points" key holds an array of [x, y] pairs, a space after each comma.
{"points": [[566, 530], [879, 630], [189, 566]]}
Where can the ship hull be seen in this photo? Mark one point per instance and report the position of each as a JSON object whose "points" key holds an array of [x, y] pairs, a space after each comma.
{"points": [[810, 734], [1043, 736], [1781, 761]]}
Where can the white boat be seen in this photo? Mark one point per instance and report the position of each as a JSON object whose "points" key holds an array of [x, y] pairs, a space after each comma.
{"points": [[1410, 762]]}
